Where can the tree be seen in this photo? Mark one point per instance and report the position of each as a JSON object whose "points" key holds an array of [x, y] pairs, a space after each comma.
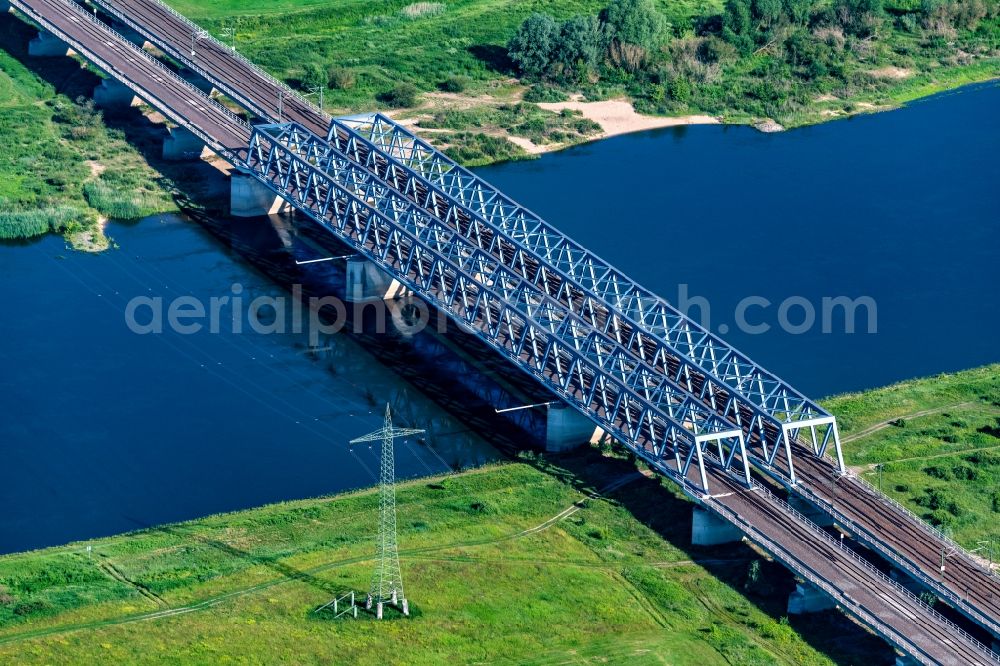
{"points": [[580, 44], [401, 96], [313, 76], [736, 25], [767, 13], [798, 11], [634, 22], [533, 45]]}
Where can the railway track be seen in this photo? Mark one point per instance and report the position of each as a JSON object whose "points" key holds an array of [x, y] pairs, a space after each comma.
{"points": [[917, 549]]}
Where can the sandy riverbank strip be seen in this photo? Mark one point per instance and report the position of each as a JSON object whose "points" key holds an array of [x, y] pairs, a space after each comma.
{"points": [[619, 117]]}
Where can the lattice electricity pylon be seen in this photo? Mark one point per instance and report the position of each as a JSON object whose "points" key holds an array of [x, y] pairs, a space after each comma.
{"points": [[387, 583]]}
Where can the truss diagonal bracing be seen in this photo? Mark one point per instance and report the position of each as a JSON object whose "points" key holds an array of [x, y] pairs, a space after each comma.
{"points": [[768, 410], [477, 287]]}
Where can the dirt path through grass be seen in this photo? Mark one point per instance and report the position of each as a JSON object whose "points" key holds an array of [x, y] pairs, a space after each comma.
{"points": [[217, 599]]}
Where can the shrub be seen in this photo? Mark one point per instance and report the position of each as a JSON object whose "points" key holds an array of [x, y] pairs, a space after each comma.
{"points": [[402, 95], [340, 78], [455, 84], [680, 90], [543, 93], [313, 76]]}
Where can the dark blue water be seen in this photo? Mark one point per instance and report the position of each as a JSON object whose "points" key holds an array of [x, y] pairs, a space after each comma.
{"points": [[105, 431], [903, 207]]}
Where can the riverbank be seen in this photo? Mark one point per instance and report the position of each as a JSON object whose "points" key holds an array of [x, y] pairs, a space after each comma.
{"points": [[505, 564], [65, 168], [575, 557]]}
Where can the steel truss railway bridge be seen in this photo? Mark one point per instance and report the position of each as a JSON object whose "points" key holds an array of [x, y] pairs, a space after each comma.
{"points": [[694, 408]]}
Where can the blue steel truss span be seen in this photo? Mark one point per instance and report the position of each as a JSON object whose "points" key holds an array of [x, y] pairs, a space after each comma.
{"points": [[494, 289], [769, 411], [496, 303]]}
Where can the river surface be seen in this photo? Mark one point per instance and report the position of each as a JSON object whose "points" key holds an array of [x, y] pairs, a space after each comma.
{"points": [[901, 207], [104, 430]]}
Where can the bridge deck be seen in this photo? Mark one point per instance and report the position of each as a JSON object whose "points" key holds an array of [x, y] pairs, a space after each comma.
{"points": [[857, 586], [965, 585]]}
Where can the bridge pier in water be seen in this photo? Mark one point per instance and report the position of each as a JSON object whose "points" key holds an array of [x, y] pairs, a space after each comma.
{"points": [[131, 35], [567, 429], [182, 145], [708, 529], [367, 282], [47, 45], [807, 598], [249, 198], [200, 82], [112, 95]]}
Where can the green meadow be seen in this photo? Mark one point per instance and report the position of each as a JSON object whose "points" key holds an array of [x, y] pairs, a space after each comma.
{"points": [[518, 562]]}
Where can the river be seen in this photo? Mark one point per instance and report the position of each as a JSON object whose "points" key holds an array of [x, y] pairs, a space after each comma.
{"points": [[105, 430], [900, 207]]}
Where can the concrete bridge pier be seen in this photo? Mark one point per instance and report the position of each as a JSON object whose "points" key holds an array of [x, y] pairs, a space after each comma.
{"points": [[567, 429], [112, 95], [808, 598], [47, 45], [367, 282], [182, 145], [200, 82], [708, 529], [248, 197]]}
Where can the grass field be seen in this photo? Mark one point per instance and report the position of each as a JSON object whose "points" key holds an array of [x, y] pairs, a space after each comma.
{"points": [[939, 449], [499, 563], [425, 43], [492, 576]]}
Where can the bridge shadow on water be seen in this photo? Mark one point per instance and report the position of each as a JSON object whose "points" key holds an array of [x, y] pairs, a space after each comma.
{"points": [[660, 506]]}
